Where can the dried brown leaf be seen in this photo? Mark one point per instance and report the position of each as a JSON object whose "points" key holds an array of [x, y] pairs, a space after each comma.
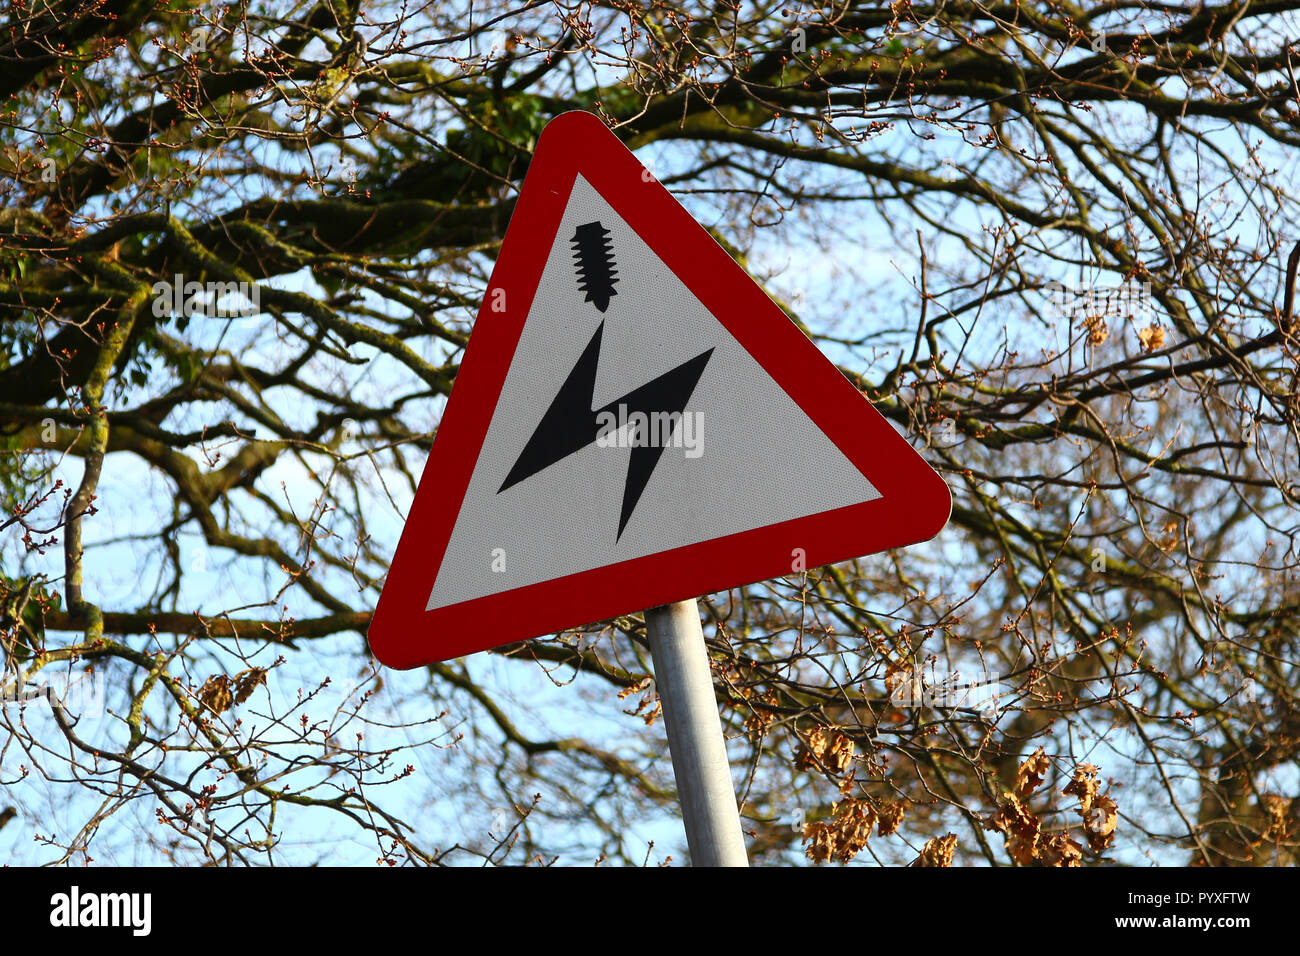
{"points": [[1031, 773], [760, 715], [649, 708], [1083, 785], [809, 753], [937, 852], [855, 819], [821, 841], [248, 681], [636, 688], [1278, 812], [839, 754], [215, 693], [891, 817], [1099, 823], [844, 835], [825, 749], [1152, 337], [1019, 827], [1060, 850]]}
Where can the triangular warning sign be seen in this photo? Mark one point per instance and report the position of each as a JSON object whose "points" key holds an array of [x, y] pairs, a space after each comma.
{"points": [[634, 423]]}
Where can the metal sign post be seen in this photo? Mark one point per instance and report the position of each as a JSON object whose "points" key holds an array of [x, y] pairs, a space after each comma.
{"points": [[684, 681]]}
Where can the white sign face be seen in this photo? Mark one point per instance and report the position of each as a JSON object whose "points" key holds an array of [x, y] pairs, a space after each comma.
{"points": [[665, 431]]}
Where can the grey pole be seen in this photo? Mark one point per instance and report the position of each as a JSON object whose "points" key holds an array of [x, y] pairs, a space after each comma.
{"points": [[685, 685]]}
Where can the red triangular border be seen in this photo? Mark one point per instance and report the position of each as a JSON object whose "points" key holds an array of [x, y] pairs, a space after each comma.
{"points": [[914, 503]]}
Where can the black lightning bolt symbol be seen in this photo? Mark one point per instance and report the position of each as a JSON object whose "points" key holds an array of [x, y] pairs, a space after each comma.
{"points": [[570, 424]]}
